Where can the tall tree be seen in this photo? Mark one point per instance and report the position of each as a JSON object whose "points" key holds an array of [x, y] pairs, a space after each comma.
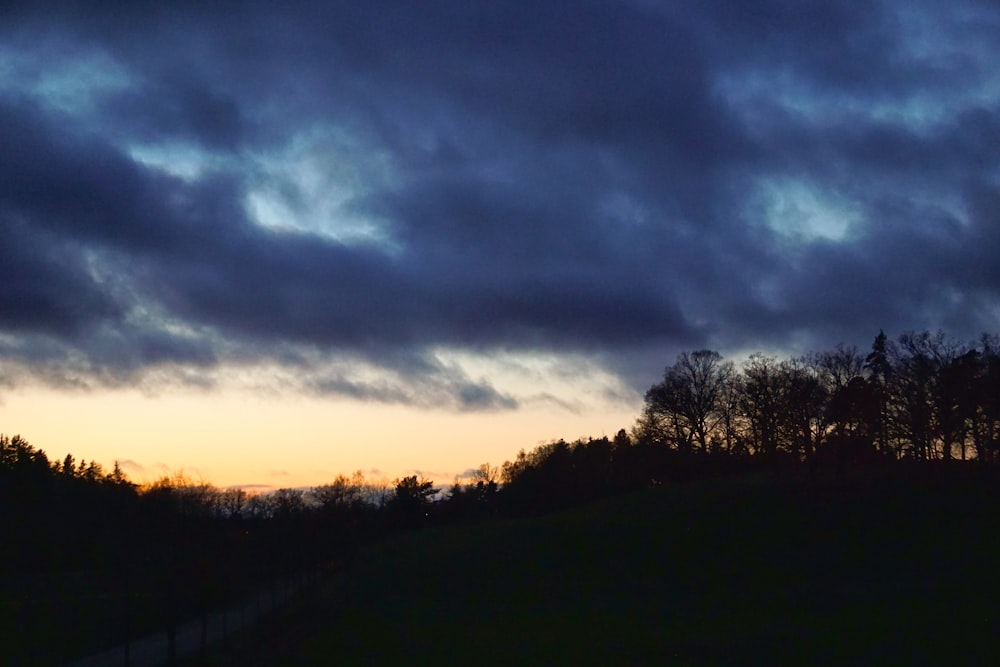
{"points": [[803, 399], [986, 416], [686, 404], [411, 499], [878, 364], [761, 396], [955, 402], [920, 406]]}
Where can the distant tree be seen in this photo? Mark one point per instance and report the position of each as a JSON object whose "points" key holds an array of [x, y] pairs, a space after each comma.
{"points": [[93, 472], [375, 493], [487, 474], [484, 487], [339, 497], [476, 498], [68, 466], [232, 503], [622, 440], [837, 367], [288, 503], [592, 468], [18, 454], [185, 495], [117, 475], [259, 506], [411, 499]]}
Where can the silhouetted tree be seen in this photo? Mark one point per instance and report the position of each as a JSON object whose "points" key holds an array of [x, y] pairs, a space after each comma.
{"points": [[803, 399], [117, 475], [17, 454], [232, 503], [475, 499], [68, 467], [761, 397], [955, 402], [337, 496], [288, 503], [661, 423], [878, 363], [411, 500], [685, 406], [985, 428], [927, 377]]}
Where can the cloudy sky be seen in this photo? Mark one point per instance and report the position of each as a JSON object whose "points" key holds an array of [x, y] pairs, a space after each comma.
{"points": [[313, 237]]}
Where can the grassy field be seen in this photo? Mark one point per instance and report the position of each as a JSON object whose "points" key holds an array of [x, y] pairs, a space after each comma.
{"points": [[884, 569]]}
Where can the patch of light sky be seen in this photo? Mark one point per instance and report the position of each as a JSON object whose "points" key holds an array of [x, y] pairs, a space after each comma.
{"points": [[752, 94], [956, 45], [569, 381], [185, 161], [798, 343], [922, 109], [801, 213], [68, 85], [959, 34], [311, 184], [624, 209]]}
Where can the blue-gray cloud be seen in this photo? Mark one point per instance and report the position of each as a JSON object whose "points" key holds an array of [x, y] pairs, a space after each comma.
{"points": [[195, 188]]}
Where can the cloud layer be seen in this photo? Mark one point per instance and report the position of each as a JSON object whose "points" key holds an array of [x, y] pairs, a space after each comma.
{"points": [[342, 191]]}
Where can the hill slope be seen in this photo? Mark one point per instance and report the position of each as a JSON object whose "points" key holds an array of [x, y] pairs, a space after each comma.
{"points": [[898, 569]]}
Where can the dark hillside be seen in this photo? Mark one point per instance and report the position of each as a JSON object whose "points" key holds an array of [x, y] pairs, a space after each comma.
{"points": [[895, 568]]}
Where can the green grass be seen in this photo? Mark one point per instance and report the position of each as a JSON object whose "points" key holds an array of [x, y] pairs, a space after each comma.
{"points": [[748, 571]]}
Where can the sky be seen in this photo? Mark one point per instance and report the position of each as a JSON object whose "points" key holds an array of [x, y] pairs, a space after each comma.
{"points": [[269, 243]]}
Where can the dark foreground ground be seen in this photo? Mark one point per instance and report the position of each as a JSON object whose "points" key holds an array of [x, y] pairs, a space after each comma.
{"points": [[894, 568]]}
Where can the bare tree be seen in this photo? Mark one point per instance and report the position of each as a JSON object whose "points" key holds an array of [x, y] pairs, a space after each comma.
{"points": [[487, 474], [918, 409], [342, 493], [686, 405], [232, 503], [803, 399], [761, 397]]}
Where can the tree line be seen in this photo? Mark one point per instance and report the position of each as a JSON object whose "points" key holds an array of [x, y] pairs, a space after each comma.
{"points": [[91, 560], [76, 533], [923, 396]]}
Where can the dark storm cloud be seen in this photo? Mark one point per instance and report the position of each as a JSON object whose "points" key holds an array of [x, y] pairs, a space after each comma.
{"points": [[45, 289], [184, 189], [178, 107]]}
